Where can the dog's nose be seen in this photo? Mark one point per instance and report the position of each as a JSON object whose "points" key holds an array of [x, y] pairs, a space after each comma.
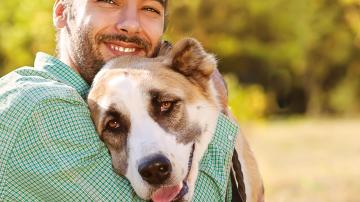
{"points": [[155, 170]]}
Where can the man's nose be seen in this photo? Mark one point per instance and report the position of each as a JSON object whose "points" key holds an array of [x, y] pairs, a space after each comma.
{"points": [[128, 22]]}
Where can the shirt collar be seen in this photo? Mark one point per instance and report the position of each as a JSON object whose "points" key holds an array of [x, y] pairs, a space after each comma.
{"points": [[62, 72]]}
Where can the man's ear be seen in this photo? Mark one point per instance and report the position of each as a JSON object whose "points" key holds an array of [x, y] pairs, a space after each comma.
{"points": [[189, 58], [59, 14]]}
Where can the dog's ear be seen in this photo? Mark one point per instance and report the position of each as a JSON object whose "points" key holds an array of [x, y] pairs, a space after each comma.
{"points": [[189, 58]]}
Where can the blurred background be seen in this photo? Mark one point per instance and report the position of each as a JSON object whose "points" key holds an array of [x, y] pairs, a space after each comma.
{"points": [[293, 73]]}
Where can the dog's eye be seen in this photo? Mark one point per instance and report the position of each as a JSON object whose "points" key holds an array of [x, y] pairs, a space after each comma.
{"points": [[165, 106], [113, 125]]}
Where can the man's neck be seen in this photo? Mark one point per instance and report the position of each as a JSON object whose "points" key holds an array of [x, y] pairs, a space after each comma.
{"points": [[63, 53]]}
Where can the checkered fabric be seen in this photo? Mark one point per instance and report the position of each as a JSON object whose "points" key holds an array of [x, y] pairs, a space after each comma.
{"points": [[49, 149]]}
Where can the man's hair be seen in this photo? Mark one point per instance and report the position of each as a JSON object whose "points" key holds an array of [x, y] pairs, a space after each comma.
{"points": [[166, 14]]}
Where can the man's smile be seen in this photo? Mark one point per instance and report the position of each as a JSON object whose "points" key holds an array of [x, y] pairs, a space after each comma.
{"points": [[122, 48], [120, 44]]}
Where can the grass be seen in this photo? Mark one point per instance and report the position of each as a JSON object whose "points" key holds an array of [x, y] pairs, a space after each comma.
{"points": [[308, 160]]}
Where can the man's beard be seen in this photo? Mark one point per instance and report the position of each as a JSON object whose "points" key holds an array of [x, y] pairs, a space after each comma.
{"points": [[87, 56]]}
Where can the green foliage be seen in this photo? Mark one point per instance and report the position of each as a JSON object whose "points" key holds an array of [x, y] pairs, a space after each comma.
{"points": [[347, 93], [246, 102], [343, 96], [300, 53], [25, 28]]}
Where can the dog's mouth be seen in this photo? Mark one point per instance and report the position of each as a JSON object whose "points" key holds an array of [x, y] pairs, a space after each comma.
{"points": [[176, 192]]}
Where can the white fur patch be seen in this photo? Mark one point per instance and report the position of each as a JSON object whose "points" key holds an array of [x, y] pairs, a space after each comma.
{"points": [[146, 137]]}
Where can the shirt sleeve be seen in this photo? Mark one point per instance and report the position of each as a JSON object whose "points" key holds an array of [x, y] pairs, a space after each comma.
{"points": [[58, 156], [213, 181]]}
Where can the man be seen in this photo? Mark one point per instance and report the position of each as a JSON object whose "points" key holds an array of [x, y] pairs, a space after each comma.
{"points": [[49, 149]]}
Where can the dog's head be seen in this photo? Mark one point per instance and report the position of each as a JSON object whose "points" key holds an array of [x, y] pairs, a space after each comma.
{"points": [[151, 112]]}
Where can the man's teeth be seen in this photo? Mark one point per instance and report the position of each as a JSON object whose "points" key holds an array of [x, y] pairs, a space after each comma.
{"points": [[122, 49]]}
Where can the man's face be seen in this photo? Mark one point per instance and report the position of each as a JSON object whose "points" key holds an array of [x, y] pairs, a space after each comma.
{"points": [[103, 29]]}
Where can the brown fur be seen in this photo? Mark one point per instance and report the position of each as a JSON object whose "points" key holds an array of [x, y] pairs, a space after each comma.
{"points": [[253, 174]]}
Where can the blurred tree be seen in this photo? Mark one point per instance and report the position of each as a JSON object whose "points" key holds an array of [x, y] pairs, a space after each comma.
{"points": [[246, 102], [299, 51], [25, 28], [303, 55]]}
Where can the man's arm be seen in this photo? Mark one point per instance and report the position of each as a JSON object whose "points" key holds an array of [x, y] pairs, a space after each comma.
{"points": [[215, 165], [59, 156]]}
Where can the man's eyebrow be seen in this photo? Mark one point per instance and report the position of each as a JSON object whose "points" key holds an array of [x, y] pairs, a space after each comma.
{"points": [[162, 2]]}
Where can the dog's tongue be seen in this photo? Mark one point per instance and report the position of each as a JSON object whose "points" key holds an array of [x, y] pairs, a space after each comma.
{"points": [[166, 194]]}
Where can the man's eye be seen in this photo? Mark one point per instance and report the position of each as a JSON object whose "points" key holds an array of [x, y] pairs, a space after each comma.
{"points": [[150, 9], [107, 1]]}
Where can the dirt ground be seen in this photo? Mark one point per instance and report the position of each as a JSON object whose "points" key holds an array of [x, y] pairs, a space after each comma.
{"points": [[308, 160]]}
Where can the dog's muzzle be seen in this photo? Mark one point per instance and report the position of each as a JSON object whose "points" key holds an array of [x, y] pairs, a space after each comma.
{"points": [[185, 187], [155, 170], [165, 193]]}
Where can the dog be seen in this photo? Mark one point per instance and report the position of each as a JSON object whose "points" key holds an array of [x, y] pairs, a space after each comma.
{"points": [[157, 117]]}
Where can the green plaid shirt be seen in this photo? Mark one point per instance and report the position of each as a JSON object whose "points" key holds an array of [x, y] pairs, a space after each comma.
{"points": [[49, 149]]}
